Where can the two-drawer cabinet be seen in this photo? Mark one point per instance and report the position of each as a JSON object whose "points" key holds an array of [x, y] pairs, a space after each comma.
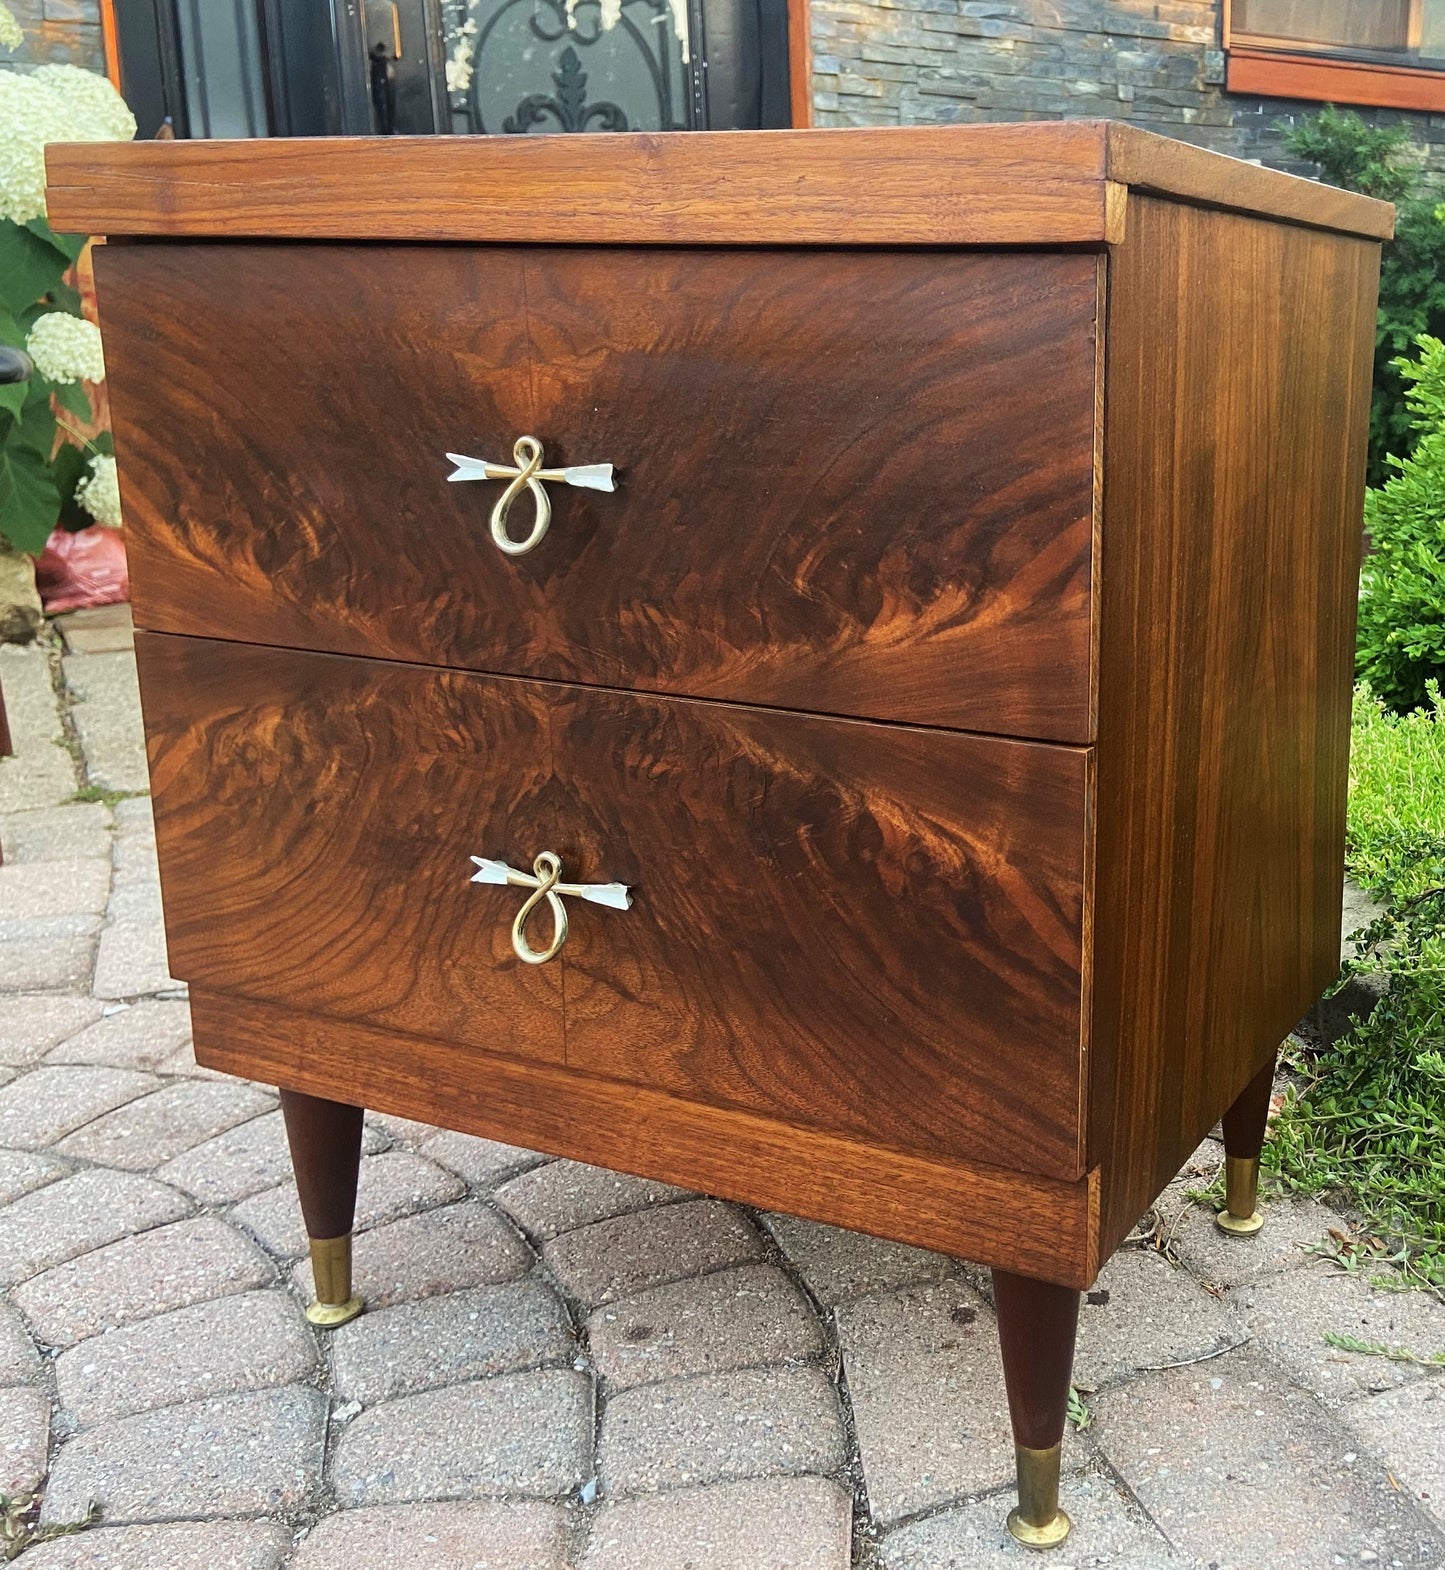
{"points": [[813, 666]]}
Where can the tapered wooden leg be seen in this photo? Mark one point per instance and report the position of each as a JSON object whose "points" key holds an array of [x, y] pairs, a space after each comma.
{"points": [[325, 1140], [1243, 1140], [1036, 1327]]}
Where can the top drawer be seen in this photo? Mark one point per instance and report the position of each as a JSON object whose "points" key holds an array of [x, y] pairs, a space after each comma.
{"points": [[851, 482]]}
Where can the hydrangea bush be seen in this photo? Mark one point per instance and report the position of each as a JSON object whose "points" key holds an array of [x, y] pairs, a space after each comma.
{"points": [[50, 471]]}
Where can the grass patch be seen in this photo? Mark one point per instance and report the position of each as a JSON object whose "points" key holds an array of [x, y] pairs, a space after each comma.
{"points": [[1397, 795], [90, 793], [1365, 1120]]}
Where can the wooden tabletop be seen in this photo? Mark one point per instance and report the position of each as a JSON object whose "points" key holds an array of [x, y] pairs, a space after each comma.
{"points": [[1042, 183]]}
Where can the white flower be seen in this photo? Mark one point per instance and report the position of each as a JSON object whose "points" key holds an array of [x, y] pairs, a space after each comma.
{"points": [[96, 112], [66, 348], [10, 35], [57, 103], [31, 118], [99, 492]]}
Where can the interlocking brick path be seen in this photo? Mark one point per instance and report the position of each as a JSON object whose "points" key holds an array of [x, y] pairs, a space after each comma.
{"points": [[566, 1369]]}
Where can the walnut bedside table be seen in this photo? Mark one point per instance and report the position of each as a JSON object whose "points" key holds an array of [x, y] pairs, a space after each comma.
{"points": [[864, 734]]}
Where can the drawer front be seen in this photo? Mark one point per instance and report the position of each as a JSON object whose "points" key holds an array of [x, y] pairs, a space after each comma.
{"points": [[854, 482], [876, 930]]}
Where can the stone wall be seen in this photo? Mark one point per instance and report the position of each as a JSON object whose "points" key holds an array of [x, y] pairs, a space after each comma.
{"points": [[64, 31], [1156, 64]]}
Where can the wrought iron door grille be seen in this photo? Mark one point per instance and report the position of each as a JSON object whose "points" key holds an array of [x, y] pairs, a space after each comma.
{"points": [[526, 66]]}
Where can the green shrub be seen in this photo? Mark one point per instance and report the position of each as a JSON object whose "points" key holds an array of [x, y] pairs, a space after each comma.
{"points": [[1385, 164], [1401, 643], [1369, 158], [1365, 1121]]}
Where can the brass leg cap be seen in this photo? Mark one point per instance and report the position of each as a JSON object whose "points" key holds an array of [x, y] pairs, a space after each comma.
{"points": [[329, 1315], [335, 1302], [1031, 1536], [1240, 1216]]}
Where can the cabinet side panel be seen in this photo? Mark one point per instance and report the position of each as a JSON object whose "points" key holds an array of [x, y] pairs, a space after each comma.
{"points": [[1238, 385]]}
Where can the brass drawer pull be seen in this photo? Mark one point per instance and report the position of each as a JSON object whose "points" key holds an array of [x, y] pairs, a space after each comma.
{"points": [[528, 475], [543, 881]]}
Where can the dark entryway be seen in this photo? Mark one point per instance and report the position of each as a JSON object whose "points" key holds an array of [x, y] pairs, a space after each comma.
{"points": [[513, 67]]}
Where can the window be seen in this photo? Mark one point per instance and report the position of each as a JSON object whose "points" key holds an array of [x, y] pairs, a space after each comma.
{"points": [[1389, 53]]}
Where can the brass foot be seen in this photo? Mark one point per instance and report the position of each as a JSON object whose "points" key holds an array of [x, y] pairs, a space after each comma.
{"points": [[1240, 1216], [331, 1269], [1038, 1522]]}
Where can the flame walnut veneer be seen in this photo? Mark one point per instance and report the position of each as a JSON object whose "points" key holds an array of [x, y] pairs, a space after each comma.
{"points": [[960, 674], [816, 901], [835, 512]]}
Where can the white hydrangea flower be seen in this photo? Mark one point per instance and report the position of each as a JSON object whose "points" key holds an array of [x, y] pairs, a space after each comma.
{"points": [[66, 348], [99, 492], [96, 112], [57, 103], [10, 35], [29, 113]]}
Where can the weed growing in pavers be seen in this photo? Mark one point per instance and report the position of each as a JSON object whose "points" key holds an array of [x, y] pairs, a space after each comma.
{"points": [[89, 793], [1364, 1121], [1396, 1354], [20, 1528]]}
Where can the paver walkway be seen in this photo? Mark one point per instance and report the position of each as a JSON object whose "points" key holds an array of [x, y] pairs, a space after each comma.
{"points": [[564, 1367]]}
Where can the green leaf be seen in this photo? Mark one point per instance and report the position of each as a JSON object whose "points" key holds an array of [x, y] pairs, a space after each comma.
{"points": [[29, 267], [69, 245], [68, 467], [12, 398], [61, 298], [71, 397], [29, 501], [37, 419], [11, 332]]}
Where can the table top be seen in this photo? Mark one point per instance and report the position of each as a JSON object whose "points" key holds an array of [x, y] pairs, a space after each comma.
{"points": [[1041, 183]]}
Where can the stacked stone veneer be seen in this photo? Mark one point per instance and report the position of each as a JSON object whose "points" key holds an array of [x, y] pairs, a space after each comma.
{"points": [[61, 31], [1157, 65]]}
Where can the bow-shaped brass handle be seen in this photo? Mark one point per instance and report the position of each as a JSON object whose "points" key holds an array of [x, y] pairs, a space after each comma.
{"points": [[543, 881], [528, 475]]}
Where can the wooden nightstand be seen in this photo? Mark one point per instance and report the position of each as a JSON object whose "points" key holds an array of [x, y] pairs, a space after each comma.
{"points": [[941, 726]]}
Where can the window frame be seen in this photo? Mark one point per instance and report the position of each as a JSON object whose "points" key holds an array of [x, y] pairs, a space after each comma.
{"points": [[1318, 78]]}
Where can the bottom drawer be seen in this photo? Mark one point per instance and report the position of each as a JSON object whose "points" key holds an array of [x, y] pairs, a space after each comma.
{"points": [[872, 929]]}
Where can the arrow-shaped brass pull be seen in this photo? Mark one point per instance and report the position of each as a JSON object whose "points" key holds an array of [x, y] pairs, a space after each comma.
{"points": [[543, 881], [528, 475]]}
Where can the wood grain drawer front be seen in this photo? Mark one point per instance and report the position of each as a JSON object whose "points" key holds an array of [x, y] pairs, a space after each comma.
{"points": [[851, 482], [314, 816], [876, 930]]}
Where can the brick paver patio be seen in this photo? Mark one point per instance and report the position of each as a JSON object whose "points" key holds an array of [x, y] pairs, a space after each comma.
{"points": [[560, 1366]]}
